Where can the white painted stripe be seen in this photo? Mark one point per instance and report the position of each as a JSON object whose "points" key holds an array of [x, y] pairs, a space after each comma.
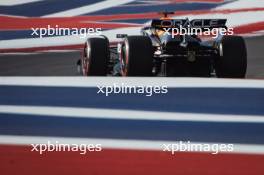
{"points": [[240, 4], [132, 81], [127, 114], [118, 143], [16, 2], [89, 8]]}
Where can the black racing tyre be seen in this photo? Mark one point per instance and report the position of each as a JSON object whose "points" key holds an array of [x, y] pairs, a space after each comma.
{"points": [[96, 57], [138, 56], [232, 62]]}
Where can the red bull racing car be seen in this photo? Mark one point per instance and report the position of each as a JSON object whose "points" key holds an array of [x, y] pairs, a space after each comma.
{"points": [[159, 51]]}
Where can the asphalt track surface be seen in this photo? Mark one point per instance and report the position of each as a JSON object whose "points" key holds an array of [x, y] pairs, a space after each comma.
{"points": [[64, 63]]}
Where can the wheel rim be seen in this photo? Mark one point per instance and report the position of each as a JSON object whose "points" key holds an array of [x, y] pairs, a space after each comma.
{"points": [[221, 53], [86, 59], [124, 55]]}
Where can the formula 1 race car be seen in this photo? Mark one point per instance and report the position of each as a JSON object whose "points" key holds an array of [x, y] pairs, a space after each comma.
{"points": [[161, 52]]}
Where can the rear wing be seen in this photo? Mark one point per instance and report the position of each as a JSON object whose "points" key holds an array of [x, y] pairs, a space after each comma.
{"points": [[186, 23]]}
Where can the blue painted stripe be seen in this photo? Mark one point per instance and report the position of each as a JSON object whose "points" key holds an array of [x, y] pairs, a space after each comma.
{"points": [[26, 125], [241, 101], [156, 8], [41, 8]]}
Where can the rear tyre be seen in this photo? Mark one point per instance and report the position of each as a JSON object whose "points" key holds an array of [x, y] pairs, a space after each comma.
{"points": [[96, 57], [232, 62], [137, 57]]}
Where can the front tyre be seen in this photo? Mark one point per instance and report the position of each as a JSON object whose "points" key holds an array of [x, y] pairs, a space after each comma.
{"points": [[232, 62]]}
